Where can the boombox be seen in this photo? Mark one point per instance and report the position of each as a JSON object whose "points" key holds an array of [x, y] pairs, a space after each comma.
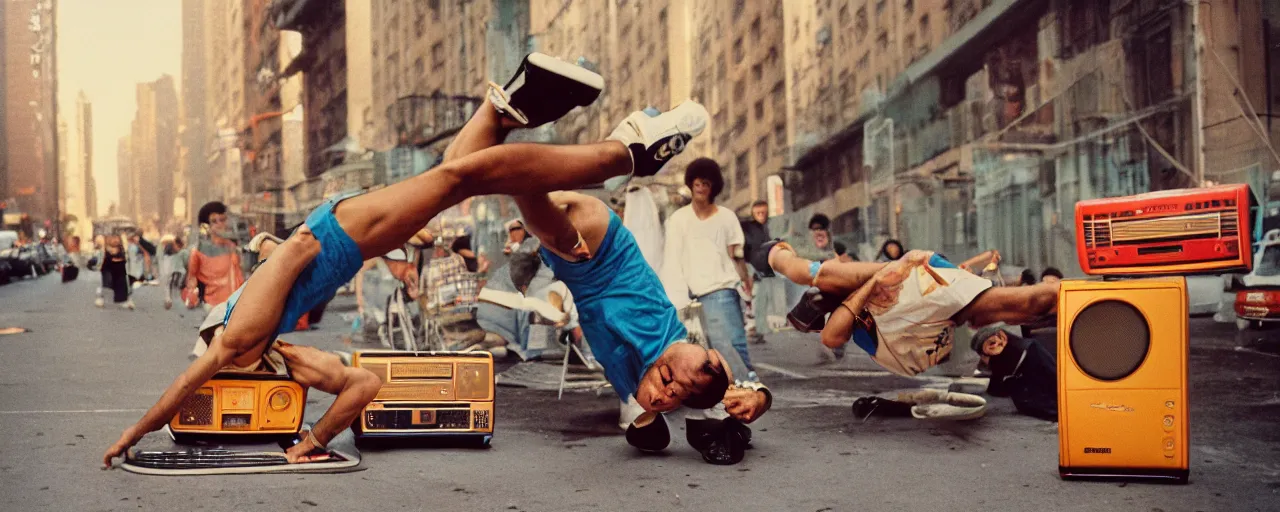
{"points": [[1169, 232], [1122, 379], [428, 394], [242, 404]]}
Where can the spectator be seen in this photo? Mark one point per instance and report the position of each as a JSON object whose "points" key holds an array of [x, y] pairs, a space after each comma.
{"points": [[115, 275], [518, 240], [139, 260], [704, 260], [1021, 369], [891, 250], [842, 253], [462, 247], [173, 266], [767, 289], [1027, 278], [215, 259], [1051, 275]]}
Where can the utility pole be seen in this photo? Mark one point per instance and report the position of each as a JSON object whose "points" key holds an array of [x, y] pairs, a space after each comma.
{"points": [[1197, 80]]}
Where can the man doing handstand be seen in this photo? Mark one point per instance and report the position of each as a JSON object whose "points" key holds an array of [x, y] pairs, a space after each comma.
{"points": [[329, 249]]}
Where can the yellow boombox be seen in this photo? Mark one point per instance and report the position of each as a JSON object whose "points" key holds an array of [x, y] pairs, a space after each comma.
{"points": [[243, 404], [428, 394]]}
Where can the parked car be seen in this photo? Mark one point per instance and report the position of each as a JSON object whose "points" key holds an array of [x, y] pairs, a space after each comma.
{"points": [[1258, 292], [6, 271], [22, 262]]}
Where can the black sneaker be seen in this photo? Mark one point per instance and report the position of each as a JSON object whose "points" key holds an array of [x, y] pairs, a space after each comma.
{"points": [[810, 315], [655, 140], [721, 442], [649, 433], [545, 89]]}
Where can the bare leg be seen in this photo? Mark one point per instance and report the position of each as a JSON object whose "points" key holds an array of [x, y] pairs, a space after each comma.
{"points": [[384, 219], [835, 276], [1011, 305], [250, 329], [354, 387]]}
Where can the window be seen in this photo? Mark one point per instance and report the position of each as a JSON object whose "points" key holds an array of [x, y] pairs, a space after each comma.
{"points": [[864, 63], [738, 7], [908, 7], [737, 51], [437, 55], [880, 6], [924, 26], [759, 110], [777, 97], [780, 135], [418, 67], [882, 41], [740, 125], [757, 72], [719, 120], [742, 171], [861, 26], [663, 77], [739, 90], [773, 56], [844, 16], [755, 31], [720, 67], [909, 46], [434, 6], [762, 151]]}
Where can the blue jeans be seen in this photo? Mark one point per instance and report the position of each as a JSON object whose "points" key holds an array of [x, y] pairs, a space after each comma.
{"points": [[726, 331]]}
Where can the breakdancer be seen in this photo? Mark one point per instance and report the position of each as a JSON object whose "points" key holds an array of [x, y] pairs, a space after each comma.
{"points": [[329, 249]]}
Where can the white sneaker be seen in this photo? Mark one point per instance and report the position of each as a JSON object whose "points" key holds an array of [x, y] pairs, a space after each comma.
{"points": [[255, 245], [99, 302], [655, 140], [128, 305]]}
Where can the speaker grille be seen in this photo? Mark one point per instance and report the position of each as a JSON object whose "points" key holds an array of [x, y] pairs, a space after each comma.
{"points": [[1109, 340]]}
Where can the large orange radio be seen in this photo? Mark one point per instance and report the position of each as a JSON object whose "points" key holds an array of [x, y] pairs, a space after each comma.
{"points": [[428, 394], [1169, 232], [1122, 379]]}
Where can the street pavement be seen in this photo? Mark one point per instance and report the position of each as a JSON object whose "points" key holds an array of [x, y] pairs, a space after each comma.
{"points": [[72, 384]]}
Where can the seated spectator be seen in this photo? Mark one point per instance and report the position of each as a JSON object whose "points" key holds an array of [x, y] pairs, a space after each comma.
{"points": [[1021, 369], [1051, 275]]}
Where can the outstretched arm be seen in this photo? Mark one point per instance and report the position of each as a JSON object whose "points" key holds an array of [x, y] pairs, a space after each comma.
{"points": [[216, 357], [977, 263], [354, 387]]}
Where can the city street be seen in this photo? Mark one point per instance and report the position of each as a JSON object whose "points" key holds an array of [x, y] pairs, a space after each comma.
{"points": [[83, 374]]}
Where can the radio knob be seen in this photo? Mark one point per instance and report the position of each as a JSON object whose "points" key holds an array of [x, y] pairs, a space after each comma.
{"points": [[1168, 404]]}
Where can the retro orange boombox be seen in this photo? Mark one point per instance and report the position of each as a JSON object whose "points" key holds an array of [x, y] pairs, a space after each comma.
{"points": [[1170, 232]]}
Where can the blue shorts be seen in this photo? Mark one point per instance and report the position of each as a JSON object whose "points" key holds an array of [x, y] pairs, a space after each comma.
{"points": [[339, 260]]}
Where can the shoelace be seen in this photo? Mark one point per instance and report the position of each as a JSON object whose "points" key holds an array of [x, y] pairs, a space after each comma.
{"points": [[502, 101]]}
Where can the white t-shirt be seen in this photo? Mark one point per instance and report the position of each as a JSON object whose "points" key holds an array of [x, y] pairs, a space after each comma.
{"points": [[696, 257]]}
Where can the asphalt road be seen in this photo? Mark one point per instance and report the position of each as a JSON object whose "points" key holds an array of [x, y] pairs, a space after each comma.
{"points": [[83, 374]]}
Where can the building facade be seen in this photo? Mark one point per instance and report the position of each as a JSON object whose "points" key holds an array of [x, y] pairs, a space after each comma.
{"points": [[29, 174], [154, 154], [193, 132]]}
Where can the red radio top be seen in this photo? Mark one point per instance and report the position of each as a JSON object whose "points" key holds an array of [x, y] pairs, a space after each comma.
{"points": [[1168, 232]]}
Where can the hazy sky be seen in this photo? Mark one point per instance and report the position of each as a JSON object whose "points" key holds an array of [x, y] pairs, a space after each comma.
{"points": [[105, 48]]}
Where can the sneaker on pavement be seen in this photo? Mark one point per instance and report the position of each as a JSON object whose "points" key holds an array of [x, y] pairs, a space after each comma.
{"points": [[655, 140], [649, 433], [544, 89]]}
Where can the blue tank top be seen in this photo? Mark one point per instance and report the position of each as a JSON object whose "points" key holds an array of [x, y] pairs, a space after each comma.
{"points": [[622, 307]]}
